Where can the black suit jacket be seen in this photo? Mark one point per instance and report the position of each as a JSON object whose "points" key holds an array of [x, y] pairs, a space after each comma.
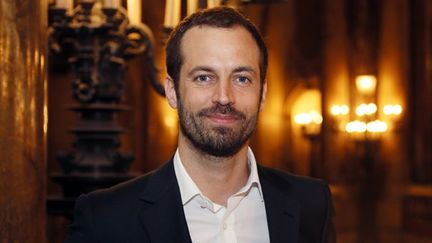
{"points": [[149, 209]]}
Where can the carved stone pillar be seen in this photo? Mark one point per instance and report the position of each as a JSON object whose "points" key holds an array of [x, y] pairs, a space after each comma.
{"points": [[22, 120]]}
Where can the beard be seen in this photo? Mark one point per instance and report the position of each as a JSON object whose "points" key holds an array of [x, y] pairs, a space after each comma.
{"points": [[218, 141]]}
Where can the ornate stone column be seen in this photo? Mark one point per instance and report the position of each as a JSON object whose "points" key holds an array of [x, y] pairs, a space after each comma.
{"points": [[23, 122]]}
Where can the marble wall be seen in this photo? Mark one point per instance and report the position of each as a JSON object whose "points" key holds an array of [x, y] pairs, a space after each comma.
{"points": [[23, 120]]}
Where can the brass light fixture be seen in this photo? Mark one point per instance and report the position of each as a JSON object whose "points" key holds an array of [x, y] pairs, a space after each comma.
{"points": [[368, 120]]}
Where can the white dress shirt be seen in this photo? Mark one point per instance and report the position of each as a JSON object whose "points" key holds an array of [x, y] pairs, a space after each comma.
{"points": [[243, 220]]}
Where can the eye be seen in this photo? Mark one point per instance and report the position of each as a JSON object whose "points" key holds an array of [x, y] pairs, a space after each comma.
{"points": [[202, 78], [243, 80]]}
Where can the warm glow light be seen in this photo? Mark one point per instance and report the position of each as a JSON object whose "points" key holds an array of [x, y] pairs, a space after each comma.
{"points": [[310, 122], [377, 126], [134, 11], [65, 4], [339, 110], [96, 18], [169, 117], [361, 110], [316, 117], [170, 121], [312, 117], [392, 110], [111, 3], [356, 127], [45, 118], [192, 6], [366, 109], [366, 84], [397, 109], [371, 109], [307, 108], [172, 13], [213, 3], [302, 119]]}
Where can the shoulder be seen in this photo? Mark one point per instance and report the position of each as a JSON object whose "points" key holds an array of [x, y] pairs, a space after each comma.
{"points": [[288, 181], [312, 194], [121, 191], [126, 196], [112, 214], [114, 202]]}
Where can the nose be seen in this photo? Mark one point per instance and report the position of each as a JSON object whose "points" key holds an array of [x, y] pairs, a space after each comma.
{"points": [[224, 93]]}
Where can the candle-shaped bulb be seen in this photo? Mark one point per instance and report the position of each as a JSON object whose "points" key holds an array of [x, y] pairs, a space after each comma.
{"points": [[134, 11], [65, 4], [213, 3], [192, 6], [172, 13], [111, 4]]}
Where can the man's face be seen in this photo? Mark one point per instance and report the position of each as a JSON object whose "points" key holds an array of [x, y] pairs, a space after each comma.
{"points": [[219, 94]]}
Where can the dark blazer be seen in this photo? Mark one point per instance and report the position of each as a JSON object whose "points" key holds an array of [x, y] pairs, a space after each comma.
{"points": [[149, 209]]}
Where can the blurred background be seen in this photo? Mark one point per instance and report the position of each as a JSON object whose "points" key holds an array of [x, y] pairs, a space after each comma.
{"points": [[349, 87]]}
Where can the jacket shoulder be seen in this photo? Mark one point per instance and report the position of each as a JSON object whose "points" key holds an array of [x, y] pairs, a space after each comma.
{"points": [[126, 189], [287, 180], [313, 195], [100, 214], [314, 198]]}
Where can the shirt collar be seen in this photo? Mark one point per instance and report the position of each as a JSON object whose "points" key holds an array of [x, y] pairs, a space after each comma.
{"points": [[189, 190], [253, 180]]}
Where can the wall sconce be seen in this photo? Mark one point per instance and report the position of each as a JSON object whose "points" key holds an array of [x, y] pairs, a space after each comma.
{"points": [[306, 115], [306, 112], [366, 123], [310, 123]]}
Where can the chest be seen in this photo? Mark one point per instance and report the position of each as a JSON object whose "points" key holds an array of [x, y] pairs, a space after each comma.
{"points": [[242, 220]]}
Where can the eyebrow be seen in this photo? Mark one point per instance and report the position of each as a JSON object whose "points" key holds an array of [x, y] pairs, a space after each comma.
{"points": [[200, 68], [244, 69], [209, 69]]}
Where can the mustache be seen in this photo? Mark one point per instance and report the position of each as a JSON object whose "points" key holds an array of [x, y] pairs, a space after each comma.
{"points": [[224, 110]]}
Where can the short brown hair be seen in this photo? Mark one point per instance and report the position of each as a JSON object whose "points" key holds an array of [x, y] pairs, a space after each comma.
{"points": [[219, 17]]}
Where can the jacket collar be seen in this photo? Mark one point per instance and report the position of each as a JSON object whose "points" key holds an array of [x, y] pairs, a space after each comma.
{"points": [[163, 218], [161, 213], [283, 213]]}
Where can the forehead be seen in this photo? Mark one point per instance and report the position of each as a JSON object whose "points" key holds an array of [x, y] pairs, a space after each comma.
{"points": [[212, 44]]}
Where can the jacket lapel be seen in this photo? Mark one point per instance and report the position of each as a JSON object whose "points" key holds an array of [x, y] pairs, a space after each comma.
{"points": [[161, 213], [283, 213], [163, 219]]}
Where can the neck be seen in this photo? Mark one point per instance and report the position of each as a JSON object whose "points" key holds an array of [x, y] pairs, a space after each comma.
{"points": [[217, 177]]}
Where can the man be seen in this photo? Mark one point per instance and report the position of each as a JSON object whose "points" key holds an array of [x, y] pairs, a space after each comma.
{"points": [[212, 190]]}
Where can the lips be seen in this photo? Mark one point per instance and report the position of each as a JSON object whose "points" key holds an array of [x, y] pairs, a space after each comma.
{"points": [[222, 114], [222, 118]]}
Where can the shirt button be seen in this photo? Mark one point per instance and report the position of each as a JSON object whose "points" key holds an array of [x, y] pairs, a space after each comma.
{"points": [[224, 226], [203, 204]]}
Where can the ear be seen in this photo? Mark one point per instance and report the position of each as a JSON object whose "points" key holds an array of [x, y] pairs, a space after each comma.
{"points": [[170, 92], [263, 95]]}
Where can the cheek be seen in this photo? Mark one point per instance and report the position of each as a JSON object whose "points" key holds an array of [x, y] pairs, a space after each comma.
{"points": [[195, 101], [249, 99]]}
